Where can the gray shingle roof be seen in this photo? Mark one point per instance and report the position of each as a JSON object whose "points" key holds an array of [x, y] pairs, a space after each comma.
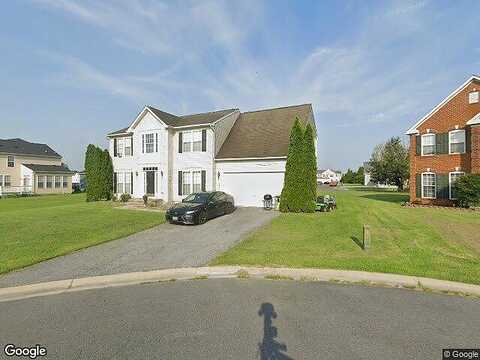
{"points": [[22, 147], [183, 120], [264, 133], [63, 169]]}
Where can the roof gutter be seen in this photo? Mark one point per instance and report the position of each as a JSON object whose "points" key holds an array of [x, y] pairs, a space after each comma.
{"points": [[253, 158]]}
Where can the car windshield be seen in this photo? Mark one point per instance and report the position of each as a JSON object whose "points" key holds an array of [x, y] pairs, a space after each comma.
{"points": [[201, 198]]}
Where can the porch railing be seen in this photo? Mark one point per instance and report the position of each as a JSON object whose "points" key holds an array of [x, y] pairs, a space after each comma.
{"points": [[6, 190]]}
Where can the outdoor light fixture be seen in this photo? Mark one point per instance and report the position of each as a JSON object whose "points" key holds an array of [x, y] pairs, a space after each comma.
{"points": [[218, 174]]}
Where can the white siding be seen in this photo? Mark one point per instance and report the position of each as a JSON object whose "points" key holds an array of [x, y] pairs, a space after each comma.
{"points": [[147, 124], [249, 180], [222, 129], [199, 160]]}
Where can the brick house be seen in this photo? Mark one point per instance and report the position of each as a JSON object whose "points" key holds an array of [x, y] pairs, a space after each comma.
{"points": [[445, 144]]}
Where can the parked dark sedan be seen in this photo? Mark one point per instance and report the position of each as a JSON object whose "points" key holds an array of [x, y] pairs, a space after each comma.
{"points": [[197, 208]]}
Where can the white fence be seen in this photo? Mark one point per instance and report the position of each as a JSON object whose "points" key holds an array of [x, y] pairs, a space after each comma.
{"points": [[7, 190]]}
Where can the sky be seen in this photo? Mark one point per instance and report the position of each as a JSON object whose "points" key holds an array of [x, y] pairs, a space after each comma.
{"points": [[72, 71]]}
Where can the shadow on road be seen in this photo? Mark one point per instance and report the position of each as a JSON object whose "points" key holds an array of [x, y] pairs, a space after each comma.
{"points": [[269, 348]]}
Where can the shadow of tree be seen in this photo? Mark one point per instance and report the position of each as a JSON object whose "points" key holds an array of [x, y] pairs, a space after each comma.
{"points": [[269, 348], [388, 197]]}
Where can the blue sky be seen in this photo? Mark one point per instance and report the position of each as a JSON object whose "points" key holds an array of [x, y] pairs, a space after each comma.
{"points": [[71, 71]]}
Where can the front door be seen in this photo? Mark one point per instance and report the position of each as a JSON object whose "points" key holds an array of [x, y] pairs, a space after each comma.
{"points": [[151, 182]]}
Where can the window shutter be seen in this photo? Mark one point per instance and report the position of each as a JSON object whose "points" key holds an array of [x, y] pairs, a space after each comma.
{"points": [[114, 147], [143, 143], [131, 146], [156, 142], [114, 182], [442, 186], [468, 140], [418, 142], [418, 185], [180, 142], [204, 178], [180, 183], [204, 140], [131, 183], [441, 143]]}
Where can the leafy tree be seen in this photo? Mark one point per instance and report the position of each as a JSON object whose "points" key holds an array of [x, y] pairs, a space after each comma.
{"points": [[99, 173], [359, 177], [106, 175], [348, 177], [310, 170], [467, 190], [291, 197], [390, 163]]}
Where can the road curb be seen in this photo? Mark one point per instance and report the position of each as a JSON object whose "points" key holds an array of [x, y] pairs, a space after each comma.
{"points": [[325, 275]]}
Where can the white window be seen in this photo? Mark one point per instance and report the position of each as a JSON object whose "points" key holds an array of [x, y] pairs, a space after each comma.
{"points": [[197, 181], [128, 147], [473, 97], [26, 181], [49, 181], [120, 178], [11, 161], [149, 143], [128, 182], [429, 189], [5, 181], [58, 182], [187, 141], [65, 182], [186, 182], [457, 141], [454, 176], [197, 140], [41, 182], [192, 141], [120, 148], [428, 144]]}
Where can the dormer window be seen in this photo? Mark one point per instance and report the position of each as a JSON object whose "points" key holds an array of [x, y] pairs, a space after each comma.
{"points": [[457, 141], [473, 97], [428, 144]]}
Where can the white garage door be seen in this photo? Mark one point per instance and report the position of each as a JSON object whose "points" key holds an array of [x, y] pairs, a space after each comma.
{"points": [[248, 188]]}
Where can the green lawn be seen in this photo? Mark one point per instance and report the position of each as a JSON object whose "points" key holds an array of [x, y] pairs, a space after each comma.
{"points": [[437, 243], [39, 228]]}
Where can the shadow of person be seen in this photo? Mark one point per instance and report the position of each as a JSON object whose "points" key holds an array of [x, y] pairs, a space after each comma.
{"points": [[269, 348]]}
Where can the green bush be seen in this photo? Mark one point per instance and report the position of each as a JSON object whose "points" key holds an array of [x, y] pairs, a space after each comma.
{"points": [[125, 197], [99, 174], [467, 190], [300, 182]]}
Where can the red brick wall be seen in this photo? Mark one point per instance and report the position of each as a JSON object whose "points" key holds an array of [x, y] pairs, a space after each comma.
{"points": [[475, 167], [456, 112]]}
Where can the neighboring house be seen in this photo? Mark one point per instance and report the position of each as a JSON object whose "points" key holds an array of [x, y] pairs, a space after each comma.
{"points": [[27, 167], [79, 180], [445, 144], [327, 176], [168, 157]]}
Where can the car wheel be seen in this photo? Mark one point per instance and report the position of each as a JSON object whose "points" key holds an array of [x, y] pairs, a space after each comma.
{"points": [[202, 218]]}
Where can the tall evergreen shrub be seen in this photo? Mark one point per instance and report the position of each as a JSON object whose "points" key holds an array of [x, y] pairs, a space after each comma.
{"points": [[310, 170]]}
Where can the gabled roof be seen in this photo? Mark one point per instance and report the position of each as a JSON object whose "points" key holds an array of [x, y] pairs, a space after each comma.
{"points": [[57, 169], [264, 133], [413, 130], [474, 120], [168, 119], [22, 147]]}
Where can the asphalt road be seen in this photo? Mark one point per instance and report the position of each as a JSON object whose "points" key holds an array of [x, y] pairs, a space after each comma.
{"points": [[162, 247], [243, 319]]}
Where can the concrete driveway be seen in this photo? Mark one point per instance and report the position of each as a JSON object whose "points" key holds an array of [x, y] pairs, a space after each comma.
{"points": [[164, 246]]}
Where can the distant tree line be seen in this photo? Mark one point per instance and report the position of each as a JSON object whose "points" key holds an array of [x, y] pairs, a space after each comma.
{"points": [[300, 182], [99, 174]]}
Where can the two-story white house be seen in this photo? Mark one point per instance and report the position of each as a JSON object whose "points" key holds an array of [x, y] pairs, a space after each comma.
{"points": [[168, 157]]}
